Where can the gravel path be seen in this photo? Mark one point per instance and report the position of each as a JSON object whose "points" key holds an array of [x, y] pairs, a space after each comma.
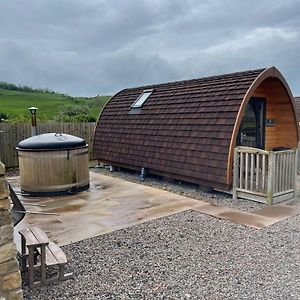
{"points": [[184, 256], [185, 189]]}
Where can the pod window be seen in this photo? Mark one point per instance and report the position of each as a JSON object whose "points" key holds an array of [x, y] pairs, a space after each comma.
{"points": [[141, 99]]}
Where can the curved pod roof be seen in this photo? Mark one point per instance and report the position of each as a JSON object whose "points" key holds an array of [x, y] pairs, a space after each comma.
{"points": [[185, 130]]}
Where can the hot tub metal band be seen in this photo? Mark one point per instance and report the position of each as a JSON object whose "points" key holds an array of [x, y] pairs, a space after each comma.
{"points": [[56, 187], [63, 155]]}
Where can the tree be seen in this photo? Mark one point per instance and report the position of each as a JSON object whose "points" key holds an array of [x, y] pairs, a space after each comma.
{"points": [[71, 113]]}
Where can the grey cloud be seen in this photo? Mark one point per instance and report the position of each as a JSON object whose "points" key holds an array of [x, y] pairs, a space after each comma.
{"points": [[90, 47]]}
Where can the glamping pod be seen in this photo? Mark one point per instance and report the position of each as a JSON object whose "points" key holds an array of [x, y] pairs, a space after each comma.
{"points": [[189, 130], [53, 163]]}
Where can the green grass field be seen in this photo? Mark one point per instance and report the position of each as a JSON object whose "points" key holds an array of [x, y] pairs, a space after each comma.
{"points": [[15, 104]]}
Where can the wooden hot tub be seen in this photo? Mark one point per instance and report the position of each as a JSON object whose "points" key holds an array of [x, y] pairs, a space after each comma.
{"points": [[53, 163]]}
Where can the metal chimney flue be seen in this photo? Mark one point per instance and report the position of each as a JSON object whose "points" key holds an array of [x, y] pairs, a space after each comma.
{"points": [[33, 120]]}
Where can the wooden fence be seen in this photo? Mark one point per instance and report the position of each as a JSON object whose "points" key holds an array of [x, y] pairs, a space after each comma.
{"points": [[11, 134]]}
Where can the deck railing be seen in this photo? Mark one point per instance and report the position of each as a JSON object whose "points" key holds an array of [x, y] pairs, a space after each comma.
{"points": [[264, 176]]}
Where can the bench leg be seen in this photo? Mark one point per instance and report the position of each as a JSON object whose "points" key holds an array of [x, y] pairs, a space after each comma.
{"points": [[43, 265], [61, 273], [31, 267], [23, 252]]}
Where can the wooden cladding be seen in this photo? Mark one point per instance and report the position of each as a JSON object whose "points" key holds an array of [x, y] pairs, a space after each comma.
{"points": [[271, 85], [280, 109]]}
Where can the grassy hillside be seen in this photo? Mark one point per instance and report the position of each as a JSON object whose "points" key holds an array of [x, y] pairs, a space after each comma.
{"points": [[15, 104]]}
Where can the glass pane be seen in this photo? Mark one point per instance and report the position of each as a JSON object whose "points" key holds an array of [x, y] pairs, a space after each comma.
{"points": [[142, 99]]}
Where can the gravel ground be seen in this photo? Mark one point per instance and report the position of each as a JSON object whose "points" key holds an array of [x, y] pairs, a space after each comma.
{"points": [[183, 188], [188, 255]]}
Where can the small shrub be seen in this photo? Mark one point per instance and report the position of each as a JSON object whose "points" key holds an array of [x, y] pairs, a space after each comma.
{"points": [[4, 117], [70, 113]]}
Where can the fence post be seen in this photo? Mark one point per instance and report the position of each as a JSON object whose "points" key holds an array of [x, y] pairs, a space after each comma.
{"points": [[271, 170], [235, 173]]}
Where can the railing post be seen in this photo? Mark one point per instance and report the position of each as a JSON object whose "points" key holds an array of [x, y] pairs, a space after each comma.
{"points": [[271, 170], [235, 173], [295, 171]]}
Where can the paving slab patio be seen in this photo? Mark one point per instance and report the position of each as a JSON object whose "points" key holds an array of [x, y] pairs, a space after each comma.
{"points": [[108, 205], [112, 203]]}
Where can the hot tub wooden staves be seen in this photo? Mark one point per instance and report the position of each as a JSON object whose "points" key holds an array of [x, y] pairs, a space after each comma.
{"points": [[53, 164]]}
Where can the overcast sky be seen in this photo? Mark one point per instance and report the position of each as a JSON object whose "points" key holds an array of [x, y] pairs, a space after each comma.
{"points": [[90, 47]]}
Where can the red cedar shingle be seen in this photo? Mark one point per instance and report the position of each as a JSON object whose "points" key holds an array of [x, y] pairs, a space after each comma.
{"points": [[183, 129]]}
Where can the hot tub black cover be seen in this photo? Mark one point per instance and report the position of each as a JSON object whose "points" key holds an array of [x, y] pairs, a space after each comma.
{"points": [[52, 141]]}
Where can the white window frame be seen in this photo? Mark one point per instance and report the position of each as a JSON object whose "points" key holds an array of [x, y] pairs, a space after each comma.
{"points": [[139, 102]]}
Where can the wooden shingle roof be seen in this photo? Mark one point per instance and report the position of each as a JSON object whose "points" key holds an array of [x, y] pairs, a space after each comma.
{"points": [[183, 130]]}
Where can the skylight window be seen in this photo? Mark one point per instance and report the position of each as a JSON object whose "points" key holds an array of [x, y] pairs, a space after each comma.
{"points": [[141, 99]]}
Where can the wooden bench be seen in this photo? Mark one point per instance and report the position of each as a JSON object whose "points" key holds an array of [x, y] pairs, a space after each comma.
{"points": [[41, 254]]}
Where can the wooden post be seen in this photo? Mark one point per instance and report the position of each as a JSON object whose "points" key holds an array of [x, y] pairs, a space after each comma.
{"points": [[286, 163], [257, 172], [276, 172], [270, 179], [23, 252], [43, 264], [252, 171], [279, 172], [235, 173], [241, 169], [263, 173], [31, 266], [61, 272], [246, 170], [295, 171]]}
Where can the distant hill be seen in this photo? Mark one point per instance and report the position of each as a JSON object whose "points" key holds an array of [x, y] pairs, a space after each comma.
{"points": [[15, 100]]}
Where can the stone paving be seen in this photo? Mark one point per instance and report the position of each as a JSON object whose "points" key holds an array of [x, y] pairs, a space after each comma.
{"points": [[113, 203]]}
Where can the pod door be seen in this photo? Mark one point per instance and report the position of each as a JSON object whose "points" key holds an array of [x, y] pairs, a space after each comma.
{"points": [[252, 129]]}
